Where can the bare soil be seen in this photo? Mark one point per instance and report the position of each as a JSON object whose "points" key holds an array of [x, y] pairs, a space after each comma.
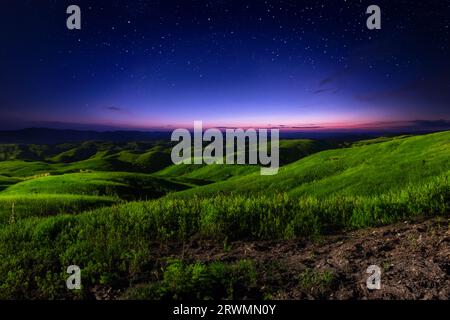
{"points": [[414, 258]]}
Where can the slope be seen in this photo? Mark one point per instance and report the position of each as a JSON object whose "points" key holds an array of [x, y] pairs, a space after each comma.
{"points": [[366, 169]]}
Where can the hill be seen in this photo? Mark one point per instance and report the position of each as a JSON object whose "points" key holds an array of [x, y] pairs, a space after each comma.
{"points": [[57, 136], [29, 159], [124, 185], [290, 151], [361, 169], [75, 192], [145, 157], [60, 136]]}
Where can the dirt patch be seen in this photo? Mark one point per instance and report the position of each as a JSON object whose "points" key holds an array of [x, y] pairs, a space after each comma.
{"points": [[414, 258]]}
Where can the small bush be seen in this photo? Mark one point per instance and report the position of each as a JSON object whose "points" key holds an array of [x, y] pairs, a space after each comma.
{"points": [[319, 282], [183, 281]]}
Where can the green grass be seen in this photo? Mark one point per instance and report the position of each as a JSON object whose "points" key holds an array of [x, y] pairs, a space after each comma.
{"points": [[290, 151], [216, 280], [113, 245], [83, 218], [16, 207], [77, 192], [28, 160], [370, 169], [378, 140], [131, 186], [204, 174], [20, 168], [5, 182], [317, 281], [24, 152]]}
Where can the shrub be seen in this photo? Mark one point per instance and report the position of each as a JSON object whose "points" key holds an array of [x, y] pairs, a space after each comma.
{"points": [[320, 282], [216, 280]]}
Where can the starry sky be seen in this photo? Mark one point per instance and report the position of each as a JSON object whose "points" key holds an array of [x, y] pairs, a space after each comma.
{"points": [[163, 64]]}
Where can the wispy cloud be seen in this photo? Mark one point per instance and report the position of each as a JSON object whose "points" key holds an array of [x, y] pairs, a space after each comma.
{"points": [[321, 91], [333, 77], [115, 109]]}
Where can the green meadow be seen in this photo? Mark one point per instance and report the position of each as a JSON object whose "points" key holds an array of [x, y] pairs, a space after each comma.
{"points": [[111, 207]]}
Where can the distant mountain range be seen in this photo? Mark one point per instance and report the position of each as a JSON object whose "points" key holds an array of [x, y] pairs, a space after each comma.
{"points": [[56, 136]]}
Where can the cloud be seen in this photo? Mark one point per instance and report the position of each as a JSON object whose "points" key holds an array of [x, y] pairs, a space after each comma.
{"points": [[118, 110], [321, 91], [333, 77], [308, 127], [331, 90], [332, 81], [409, 125], [115, 109], [327, 80]]}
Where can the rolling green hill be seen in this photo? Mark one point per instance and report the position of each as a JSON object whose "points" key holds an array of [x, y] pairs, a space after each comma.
{"points": [[76, 192], [205, 174], [146, 157], [290, 151], [20, 168], [294, 149], [5, 182], [15, 207], [91, 155], [130, 186], [362, 169]]}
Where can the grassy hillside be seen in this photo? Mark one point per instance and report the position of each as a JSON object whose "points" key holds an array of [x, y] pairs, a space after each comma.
{"points": [[290, 151], [22, 169], [362, 169], [22, 206], [294, 149], [54, 214], [205, 174], [5, 182], [115, 184], [118, 245], [28, 160], [76, 192]]}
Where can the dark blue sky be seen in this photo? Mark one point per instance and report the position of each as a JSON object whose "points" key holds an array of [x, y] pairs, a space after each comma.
{"points": [[157, 64]]}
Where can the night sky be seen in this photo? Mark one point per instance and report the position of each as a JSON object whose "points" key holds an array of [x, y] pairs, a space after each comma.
{"points": [[164, 64]]}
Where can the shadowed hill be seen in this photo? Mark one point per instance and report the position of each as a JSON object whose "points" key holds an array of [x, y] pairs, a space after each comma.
{"points": [[55, 136], [28, 160], [114, 184], [290, 151], [76, 192], [145, 157]]}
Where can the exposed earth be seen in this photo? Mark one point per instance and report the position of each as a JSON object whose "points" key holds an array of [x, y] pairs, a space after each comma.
{"points": [[414, 258]]}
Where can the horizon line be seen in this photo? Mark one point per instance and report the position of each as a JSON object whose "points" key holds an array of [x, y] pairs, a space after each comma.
{"points": [[440, 124]]}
